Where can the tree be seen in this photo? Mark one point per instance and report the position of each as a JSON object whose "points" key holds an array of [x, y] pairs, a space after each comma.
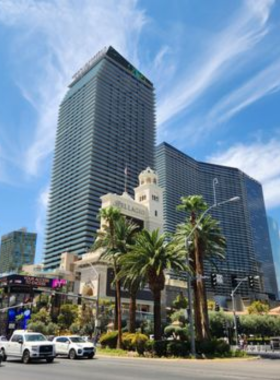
{"points": [[258, 307], [204, 242], [68, 315], [148, 258], [180, 302], [114, 237]]}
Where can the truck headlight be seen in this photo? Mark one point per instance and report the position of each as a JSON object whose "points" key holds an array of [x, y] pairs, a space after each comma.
{"points": [[34, 348]]}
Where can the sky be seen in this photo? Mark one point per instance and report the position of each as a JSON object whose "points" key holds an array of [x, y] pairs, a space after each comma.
{"points": [[215, 66]]}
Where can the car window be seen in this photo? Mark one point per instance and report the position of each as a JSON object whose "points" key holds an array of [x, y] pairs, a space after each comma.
{"points": [[62, 339], [15, 338], [77, 339], [35, 338]]}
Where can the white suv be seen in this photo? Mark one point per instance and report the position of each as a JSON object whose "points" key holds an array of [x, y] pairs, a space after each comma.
{"points": [[74, 347]]}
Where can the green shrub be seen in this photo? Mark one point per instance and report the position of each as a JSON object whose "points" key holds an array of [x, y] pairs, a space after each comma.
{"points": [[177, 348], [135, 342], [149, 346], [160, 348], [109, 339], [176, 332], [37, 326], [52, 329], [213, 347]]}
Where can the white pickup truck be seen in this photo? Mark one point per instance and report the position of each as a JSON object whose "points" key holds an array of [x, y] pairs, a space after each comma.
{"points": [[28, 346]]}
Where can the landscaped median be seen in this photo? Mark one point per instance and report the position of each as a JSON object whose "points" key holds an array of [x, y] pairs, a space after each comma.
{"points": [[139, 345]]}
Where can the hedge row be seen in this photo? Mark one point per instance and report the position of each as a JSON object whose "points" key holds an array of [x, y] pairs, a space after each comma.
{"points": [[140, 343]]}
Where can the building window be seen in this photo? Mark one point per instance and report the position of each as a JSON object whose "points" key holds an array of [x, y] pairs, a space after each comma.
{"points": [[155, 198], [156, 213], [142, 198]]}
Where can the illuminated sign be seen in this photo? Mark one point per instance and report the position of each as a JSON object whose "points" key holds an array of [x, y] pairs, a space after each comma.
{"points": [[58, 283], [88, 66], [31, 281]]}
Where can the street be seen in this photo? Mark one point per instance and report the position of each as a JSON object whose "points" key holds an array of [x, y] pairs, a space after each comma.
{"points": [[103, 368]]}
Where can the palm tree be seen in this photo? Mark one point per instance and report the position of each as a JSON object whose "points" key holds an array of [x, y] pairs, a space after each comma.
{"points": [[205, 243], [114, 237], [148, 258], [132, 282]]}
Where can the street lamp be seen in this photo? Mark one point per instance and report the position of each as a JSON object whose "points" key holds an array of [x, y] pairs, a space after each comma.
{"points": [[96, 323], [241, 280], [234, 199]]}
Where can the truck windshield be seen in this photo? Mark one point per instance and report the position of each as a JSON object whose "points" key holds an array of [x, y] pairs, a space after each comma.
{"points": [[77, 339], [35, 338]]}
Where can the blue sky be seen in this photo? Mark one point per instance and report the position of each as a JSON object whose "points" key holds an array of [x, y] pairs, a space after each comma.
{"points": [[215, 66]]}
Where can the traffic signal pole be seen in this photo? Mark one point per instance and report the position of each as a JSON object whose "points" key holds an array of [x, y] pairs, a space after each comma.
{"points": [[233, 307]]}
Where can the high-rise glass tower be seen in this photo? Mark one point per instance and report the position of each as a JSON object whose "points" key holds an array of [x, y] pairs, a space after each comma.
{"points": [[17, 248], [275, 245], [106, 127], [243, 223]]}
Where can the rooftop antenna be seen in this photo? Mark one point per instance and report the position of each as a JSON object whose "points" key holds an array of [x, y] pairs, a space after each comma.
{"points": [[125, 178]]}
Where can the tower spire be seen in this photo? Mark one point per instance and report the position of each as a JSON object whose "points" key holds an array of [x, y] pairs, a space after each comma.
{"points": [[125, 178]]}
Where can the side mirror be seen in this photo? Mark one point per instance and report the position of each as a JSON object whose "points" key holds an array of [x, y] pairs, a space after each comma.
{"points": [[20, 341]]}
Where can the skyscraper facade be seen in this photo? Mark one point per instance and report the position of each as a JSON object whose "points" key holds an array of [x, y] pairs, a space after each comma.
{"points": [[106, 128], [275, 245], [17, 248], [243, 223]]}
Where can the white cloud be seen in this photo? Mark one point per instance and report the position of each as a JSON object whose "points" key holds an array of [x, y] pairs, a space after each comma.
{"points": [[42, 202], [260, 161], [158, 61], [70, 33], [264, 83], [245, 31]]}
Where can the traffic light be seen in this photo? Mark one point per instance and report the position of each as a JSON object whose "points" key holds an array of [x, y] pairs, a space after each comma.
{"points": [[234, 280], [251, 281], [79, 299], [237, 321], [213, 279]]}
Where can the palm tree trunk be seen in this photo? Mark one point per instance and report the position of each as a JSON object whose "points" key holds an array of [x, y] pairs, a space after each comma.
{"points": [[157, 314], [132, 313], [118, 290], [116, 312], [201, 311]]}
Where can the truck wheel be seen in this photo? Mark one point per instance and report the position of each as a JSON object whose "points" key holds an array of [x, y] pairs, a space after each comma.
{"points": [[26, 357], [4, 356], [72, 354]]}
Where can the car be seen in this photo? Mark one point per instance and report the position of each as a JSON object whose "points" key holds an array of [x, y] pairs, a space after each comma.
{"points": [[74, 346], [275, 343], [3, 338], [28, 345]]}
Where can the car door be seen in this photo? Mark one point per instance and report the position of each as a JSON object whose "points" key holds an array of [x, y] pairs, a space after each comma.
{"points": [[58, 345], [65, 346], [14, 347]]}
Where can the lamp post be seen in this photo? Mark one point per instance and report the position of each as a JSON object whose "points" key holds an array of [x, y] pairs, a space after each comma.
{"points": [[234, 199], [241, 280], [96, 322]]}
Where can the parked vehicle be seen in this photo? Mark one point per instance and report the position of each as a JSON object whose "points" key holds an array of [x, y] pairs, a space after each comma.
{"points": [[74, 347], [28, 346], [275, 343], [3, 338]]}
